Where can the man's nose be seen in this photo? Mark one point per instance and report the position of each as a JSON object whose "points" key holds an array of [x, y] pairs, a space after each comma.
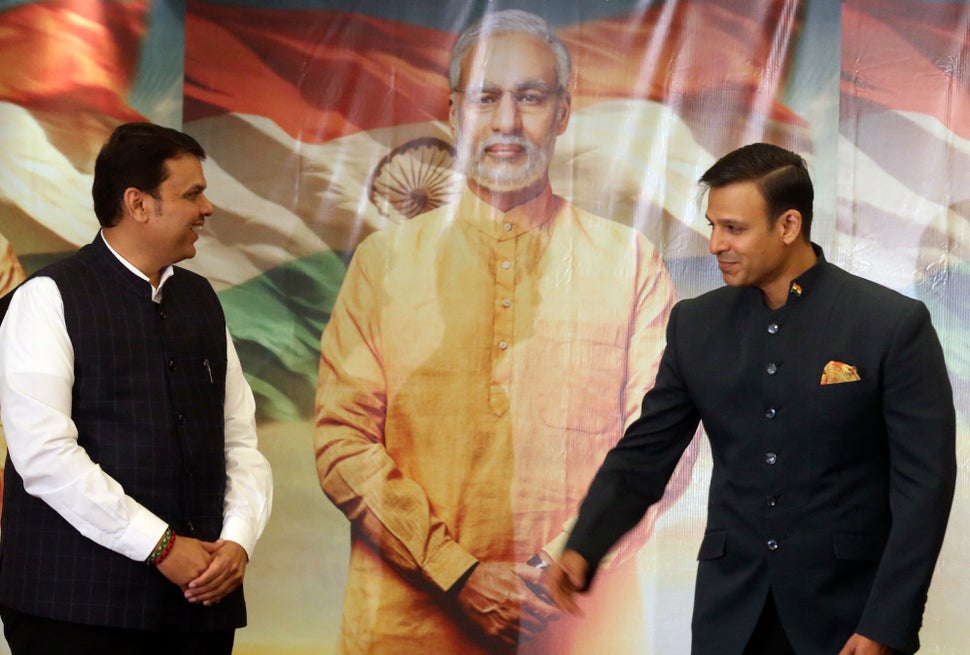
{"points": [[205, 207], [716, 242], [506, 117]]}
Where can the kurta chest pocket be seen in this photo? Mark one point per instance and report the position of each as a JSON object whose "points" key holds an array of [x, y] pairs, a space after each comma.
{"points": [[583, 386]]}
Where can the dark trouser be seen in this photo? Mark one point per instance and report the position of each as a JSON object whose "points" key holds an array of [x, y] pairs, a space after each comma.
{"points": [[32, 635], [769, 637]]}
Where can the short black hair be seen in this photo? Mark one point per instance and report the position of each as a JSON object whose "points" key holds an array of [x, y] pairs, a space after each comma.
{"points": [[780, 175], [135, 156]]}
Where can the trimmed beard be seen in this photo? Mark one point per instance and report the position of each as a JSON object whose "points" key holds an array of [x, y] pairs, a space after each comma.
{"points": [[497, 175]]}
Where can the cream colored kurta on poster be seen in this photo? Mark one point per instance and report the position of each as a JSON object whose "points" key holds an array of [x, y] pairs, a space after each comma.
{"points": [[476, 369]]}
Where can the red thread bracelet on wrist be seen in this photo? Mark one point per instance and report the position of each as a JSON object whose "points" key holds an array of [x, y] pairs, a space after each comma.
{"points": [[164, 548]]}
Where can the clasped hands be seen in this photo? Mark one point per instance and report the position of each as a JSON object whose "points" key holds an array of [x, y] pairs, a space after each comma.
{"points": [[206, 571], [506, 602]]}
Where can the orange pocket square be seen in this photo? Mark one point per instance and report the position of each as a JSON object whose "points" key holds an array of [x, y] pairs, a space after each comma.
{"points": [[839, 372]]}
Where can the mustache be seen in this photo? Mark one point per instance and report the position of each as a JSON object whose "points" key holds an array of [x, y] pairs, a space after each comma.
{"points": [[505, 140]]}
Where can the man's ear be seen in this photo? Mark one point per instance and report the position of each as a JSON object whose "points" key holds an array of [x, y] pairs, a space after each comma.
{"points": [[791, 226], [453, 115], [563, 122], [134, 203]]}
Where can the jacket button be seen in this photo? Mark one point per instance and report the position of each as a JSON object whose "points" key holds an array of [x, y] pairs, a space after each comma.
{"points": [[771, 501], [771, 413], [772, 544], [772, 368], [771, 458], [773, 328]]}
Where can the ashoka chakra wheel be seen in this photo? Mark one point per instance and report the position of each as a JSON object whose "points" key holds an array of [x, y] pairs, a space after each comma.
{"points": [[413, 178]]}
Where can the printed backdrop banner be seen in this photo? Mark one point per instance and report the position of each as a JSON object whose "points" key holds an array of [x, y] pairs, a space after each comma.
{"points": [[326, 121]]}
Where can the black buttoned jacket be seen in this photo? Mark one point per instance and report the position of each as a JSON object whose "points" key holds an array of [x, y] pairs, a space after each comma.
{"points": [[834, 497]]}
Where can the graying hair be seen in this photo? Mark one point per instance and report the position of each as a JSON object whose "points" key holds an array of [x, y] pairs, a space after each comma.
{"points": [[504, 22]]}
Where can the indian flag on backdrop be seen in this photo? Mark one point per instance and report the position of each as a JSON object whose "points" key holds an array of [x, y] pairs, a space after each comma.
{"points": [[324, 126], [65, 71], [904, 159], [904, 208]]}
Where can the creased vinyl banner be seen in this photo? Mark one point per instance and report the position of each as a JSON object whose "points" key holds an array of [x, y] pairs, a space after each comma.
{"points": [[328, 122]]}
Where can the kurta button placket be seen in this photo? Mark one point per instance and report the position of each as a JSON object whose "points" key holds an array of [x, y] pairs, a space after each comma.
{"points": [[503, 239]]}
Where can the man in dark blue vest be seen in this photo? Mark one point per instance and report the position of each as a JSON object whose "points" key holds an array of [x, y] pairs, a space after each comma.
{"points": [[134, 492], [830, 417]]}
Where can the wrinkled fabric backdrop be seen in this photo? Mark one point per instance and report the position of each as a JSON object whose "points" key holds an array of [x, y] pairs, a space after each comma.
{"points": [[321, 118]]}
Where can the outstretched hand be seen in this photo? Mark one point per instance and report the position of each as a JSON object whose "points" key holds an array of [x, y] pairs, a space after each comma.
{"points": [[859, 645], [568, 576]]}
